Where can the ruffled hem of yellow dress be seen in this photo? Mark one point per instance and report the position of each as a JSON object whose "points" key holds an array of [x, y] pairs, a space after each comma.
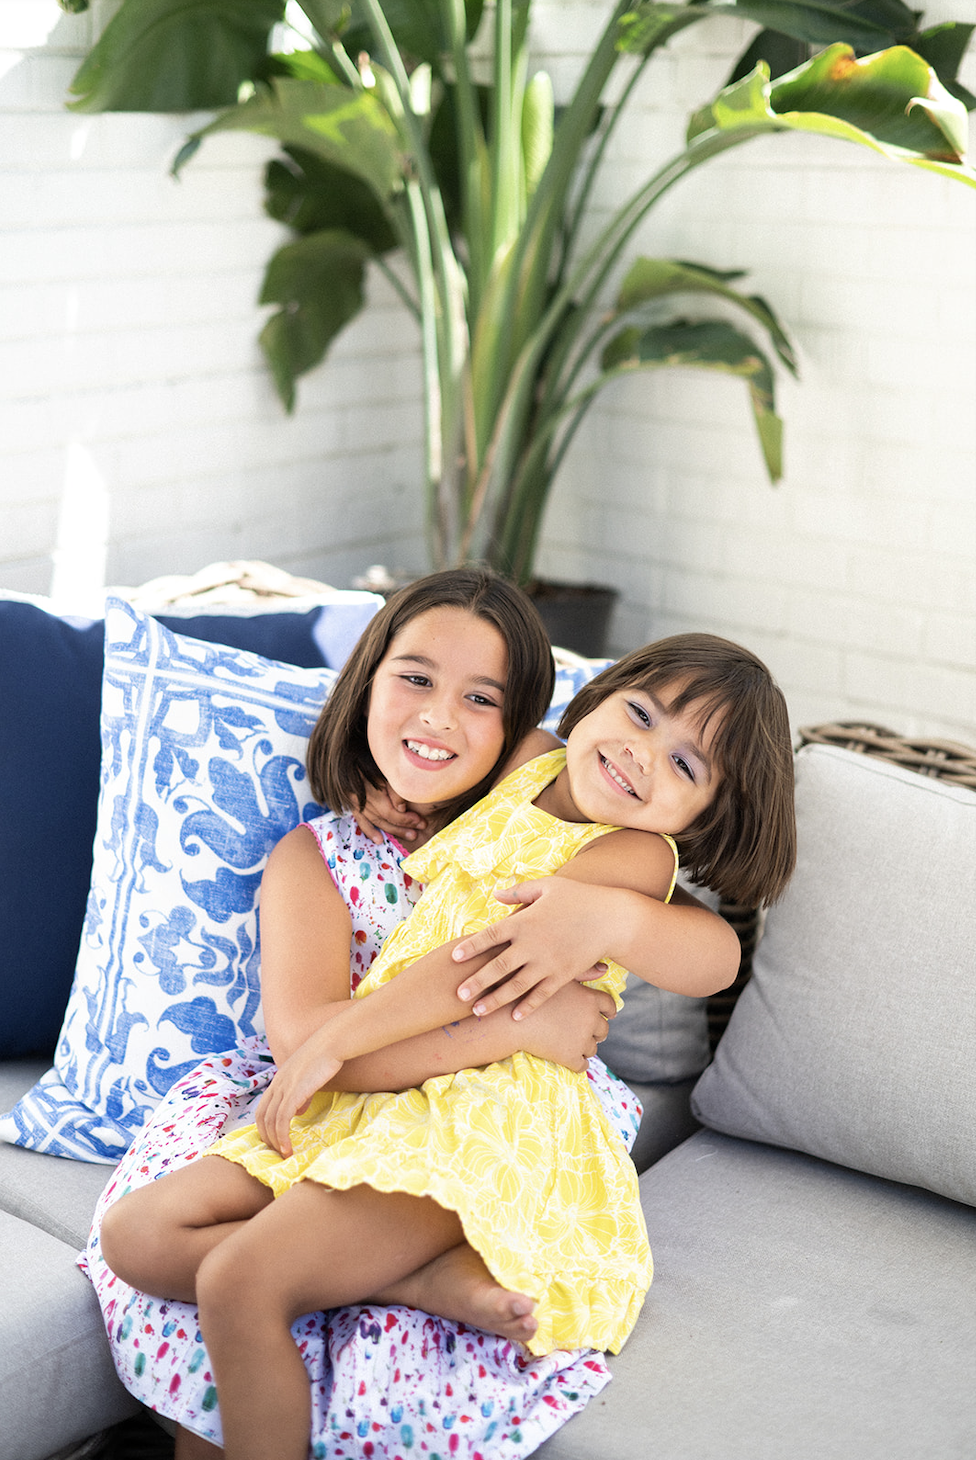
{"points": [[573, 1310]]}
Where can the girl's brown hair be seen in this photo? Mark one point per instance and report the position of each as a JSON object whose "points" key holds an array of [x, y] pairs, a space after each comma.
{"points": [[340, 766], [744, 845]]}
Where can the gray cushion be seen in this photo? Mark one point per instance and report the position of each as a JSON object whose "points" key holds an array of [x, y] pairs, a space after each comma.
{"points": [[854, 1041], [16, 1077], [658, 1035], [53, 1193], [56, 1195], [57, 1382], [798, 1310], [667, 1120]]}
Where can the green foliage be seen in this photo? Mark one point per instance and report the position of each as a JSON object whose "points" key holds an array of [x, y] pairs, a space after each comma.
{"points": [[176, 55], [318, 281], [393, 140], [309, 193], [867, 26], [891, 102]]}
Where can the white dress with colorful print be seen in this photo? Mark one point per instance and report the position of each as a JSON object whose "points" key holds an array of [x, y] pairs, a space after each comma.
{"points": [[388, 1383]]}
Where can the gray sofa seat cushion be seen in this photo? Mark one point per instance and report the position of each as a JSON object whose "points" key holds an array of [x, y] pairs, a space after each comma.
{"points": [[854, 1040], [57, 1381], [798, 1310], [56, 1195], [667, 1120]]}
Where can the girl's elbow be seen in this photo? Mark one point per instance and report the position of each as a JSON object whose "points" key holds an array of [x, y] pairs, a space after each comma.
{"points": [[728, 957]]}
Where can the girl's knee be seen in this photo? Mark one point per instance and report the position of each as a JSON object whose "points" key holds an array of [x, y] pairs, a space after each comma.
{"points": [[219, 1282], [119, 1234], [136, 1234], [237, 1296]]}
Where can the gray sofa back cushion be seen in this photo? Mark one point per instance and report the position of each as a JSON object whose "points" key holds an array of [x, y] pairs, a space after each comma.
{"points": [[855, 1039]]}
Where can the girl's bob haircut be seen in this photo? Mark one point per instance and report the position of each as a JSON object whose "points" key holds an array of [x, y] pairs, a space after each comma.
{"points": [[744, 845], [340, 766]]}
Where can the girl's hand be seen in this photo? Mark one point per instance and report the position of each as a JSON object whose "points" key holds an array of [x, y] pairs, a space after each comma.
{"points": [[574, 1022], [556, 937], [382, 812], [299, 1078]]}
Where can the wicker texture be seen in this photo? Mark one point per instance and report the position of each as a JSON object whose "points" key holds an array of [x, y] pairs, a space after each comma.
{"points": [[945, 759]]}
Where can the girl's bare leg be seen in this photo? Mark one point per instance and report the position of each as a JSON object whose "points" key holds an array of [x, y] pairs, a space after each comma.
{"points": [[191, 1447], [457, 1285], [156, 1237], [313, 1248]]}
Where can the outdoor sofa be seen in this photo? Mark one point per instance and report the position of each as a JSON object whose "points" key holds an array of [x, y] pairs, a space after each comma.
{"points": [[811, 1210]]}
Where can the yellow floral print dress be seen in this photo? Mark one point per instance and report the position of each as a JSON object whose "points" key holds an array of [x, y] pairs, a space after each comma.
{"points": [[520, 1149]]}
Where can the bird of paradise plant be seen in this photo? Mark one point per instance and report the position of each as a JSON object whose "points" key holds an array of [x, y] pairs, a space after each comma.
{"points": [[391, 141]]}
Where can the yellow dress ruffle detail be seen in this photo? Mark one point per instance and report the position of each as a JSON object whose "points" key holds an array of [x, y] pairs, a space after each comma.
{"points": [[520, 1149]]}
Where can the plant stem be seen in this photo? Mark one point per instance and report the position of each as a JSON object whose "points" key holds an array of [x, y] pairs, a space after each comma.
{"points": [[336, 51]]}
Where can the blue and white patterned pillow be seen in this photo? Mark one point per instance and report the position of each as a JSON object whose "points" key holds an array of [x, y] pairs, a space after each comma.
{"points": [[203, 771], [571, 676]]}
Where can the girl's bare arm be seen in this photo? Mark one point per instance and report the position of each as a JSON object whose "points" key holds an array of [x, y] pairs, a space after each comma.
{"points": [[305, 946], [424, 995], [567, 1030], [564, 921], [306, 932]]}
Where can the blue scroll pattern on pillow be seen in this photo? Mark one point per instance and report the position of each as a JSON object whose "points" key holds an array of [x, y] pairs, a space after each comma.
{"points": [[203, 751]]}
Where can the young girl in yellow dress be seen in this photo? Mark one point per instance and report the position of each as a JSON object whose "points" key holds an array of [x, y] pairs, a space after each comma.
{"points": [[687, 739]]}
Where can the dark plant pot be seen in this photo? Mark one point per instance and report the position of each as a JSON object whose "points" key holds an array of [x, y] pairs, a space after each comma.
{"points": [[576, 615]]}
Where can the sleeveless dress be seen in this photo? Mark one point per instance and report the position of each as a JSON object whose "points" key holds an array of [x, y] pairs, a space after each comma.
{"points": [[387, 1382], [521, 1150]]}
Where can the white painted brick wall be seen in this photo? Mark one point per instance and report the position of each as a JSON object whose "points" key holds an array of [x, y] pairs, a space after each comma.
{"points": [[128, 361], [129, 366], [856, 576]]}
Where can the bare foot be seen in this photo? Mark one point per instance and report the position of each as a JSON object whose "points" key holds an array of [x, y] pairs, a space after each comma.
{"points": [[459, 1287]]}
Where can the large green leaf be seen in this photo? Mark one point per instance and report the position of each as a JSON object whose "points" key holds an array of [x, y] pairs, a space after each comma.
{"points": [[822, 22], [350, 128], [709, 345], [866, 25], [649, 280], [419, 27], [175, 55], [649, 24], [318, 281], [781, 53], [310, 194], [302, 66], [944, 46], [891, 102]]}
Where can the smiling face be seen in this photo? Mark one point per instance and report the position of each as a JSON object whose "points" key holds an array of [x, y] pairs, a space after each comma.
{"points": [[632, 762], [434, 725]]}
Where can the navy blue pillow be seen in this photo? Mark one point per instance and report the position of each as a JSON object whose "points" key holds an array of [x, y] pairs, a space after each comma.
{"points": [[284, 636], [50, 757], [50, 753]]}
